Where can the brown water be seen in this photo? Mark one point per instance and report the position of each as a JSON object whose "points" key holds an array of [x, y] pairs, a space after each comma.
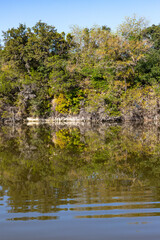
{"points": [[79, 183]]}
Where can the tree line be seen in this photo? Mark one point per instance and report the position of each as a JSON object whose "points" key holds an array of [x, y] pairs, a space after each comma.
{"points": [[43, 71]]}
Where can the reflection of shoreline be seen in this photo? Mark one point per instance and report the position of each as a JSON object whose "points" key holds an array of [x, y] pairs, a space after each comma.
{"points": [[48, 168], [48, 172], [83, 127], [69, 151]]}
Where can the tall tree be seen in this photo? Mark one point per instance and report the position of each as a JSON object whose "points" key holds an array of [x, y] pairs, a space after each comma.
{"points": [[28, 48], [148, 70], [133, 47], [15, 41]]}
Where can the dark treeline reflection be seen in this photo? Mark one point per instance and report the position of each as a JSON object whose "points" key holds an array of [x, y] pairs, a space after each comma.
{"points": [[43, 168]]}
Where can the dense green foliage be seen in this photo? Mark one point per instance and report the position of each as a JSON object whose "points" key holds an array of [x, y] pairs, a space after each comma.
{"points": [[43, 71]]}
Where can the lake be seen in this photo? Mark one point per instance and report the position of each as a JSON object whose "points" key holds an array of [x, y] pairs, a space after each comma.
{"points": [[80, 182]]}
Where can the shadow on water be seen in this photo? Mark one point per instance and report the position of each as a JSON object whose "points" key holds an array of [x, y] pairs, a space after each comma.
{"points": [[79, 173]]}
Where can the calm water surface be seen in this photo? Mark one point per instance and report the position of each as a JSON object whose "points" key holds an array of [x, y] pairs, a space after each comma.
{"points": [[100, 182]]}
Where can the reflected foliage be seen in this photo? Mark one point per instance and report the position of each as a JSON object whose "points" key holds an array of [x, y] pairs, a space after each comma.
{"points": [[51, 165]]}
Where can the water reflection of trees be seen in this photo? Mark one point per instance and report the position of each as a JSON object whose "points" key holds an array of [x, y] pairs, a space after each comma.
{"points": [[50, 164]]}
